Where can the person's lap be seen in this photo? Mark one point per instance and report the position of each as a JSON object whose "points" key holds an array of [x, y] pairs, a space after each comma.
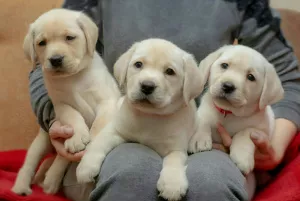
{"points": [[130, 172]]}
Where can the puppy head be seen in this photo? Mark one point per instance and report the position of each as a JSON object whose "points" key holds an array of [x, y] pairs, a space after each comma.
{"points": [[157, 76], [241, 79], [63, 41]]}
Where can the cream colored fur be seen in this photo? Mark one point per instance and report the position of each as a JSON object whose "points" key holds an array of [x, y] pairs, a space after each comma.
{"points": [[249, 103], [163, 120], [83, 92]]}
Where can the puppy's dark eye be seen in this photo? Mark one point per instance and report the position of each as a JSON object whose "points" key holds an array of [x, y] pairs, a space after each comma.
{"points": [[70, 37], [170, 71], [224, 65], [42, 43], [138, 64], [251, 77]]}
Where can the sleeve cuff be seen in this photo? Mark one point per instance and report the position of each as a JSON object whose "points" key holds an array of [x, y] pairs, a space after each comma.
{"points": [[52, 117], [287, 113]]}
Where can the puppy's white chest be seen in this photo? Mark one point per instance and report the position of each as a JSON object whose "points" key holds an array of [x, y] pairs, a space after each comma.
{"points": [[162, 134], [233, 124], [158, 137], [81, 94]]}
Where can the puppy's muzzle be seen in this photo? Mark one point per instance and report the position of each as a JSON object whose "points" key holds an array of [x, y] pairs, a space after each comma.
{"points": [[147, 87], [228, 87], [56, 61]]}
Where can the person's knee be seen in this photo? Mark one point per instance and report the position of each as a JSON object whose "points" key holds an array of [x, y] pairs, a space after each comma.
{"points": [[131, 170], [213, 176], [214, 188], [72, 189]]}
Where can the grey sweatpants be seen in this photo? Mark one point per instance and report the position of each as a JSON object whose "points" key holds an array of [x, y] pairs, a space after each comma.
{"points": [[130, 172]]}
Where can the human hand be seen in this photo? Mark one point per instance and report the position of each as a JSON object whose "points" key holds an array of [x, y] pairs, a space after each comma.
{"points": [[58, 134], [226, 140], [271, 152], [266, 157]]}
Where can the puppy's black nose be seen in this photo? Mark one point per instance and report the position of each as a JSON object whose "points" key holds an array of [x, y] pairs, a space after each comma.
{"points": [[228, 87], [147, 87], [56, 60]]}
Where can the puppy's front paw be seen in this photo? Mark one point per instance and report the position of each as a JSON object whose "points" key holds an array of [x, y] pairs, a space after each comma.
{"points": [[51, 184], [77, 142], [200, 142], [172, 183], [88, 169], [22, 183], [243, 160], [21, 189]]}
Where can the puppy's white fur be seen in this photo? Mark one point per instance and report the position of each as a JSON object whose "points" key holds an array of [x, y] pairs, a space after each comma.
{"points": [[249, 103], [83, 92], [163, 120]]}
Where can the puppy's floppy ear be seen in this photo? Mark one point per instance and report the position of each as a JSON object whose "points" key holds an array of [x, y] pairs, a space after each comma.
{"points": [[121, 65], [90, 31], [193, 84], [28, 46], [272, 90], [207, 62]]}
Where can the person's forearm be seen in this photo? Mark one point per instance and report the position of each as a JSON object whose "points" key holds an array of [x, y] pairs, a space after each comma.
{"points": [[285, 131], [40, 101]]}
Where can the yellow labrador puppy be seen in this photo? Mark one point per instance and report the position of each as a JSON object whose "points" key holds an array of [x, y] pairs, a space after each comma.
{"points": [[83, 92], [242, 85], [158, 110]]}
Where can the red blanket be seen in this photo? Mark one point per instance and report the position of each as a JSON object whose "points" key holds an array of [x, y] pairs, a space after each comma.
{"points": [[284, 187], [10, 162], [286, 184]]}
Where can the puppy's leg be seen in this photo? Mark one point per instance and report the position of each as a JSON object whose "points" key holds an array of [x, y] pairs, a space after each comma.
{"points": [[69, 116], [96, 151], [55, 174], [242, 151], [105, 113], [41, 173], [173, 183], [37, 150], [202, 139]]}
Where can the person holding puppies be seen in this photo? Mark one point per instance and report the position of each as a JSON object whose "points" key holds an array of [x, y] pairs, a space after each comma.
{"points": [[130, 171]]}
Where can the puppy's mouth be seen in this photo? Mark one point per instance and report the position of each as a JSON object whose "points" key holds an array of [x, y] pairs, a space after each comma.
{"points": [[58, 72], [62, 71], [143, 100], [222, 97], [235, 99]]}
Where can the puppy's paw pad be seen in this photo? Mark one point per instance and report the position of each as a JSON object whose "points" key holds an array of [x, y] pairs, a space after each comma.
{"points": [[200, 142], [85, 139], [21, 190], [86, 172], [51, 184], [75, 144], [245, 162], [172, 185]]}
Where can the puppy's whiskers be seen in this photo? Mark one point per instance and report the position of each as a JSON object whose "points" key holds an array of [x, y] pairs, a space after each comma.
{"points": [[158, 98], [68, 64], [137, 97], [214, 90], [238, 99]]}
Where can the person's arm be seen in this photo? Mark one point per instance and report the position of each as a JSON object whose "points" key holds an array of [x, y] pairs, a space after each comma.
{"points": [[39, 99], [260, 29]]}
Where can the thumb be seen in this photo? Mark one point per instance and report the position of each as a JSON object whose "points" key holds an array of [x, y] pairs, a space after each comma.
{"points": [[225, 136], [59, 131], [261, 142]]}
